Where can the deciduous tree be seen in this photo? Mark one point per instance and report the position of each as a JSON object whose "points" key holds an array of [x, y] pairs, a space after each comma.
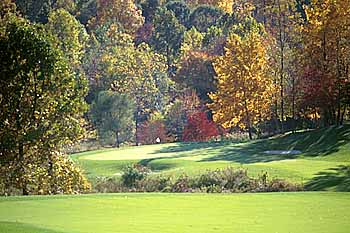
{"points": [[167, 36], [153, 129], [113, 112], [327, 48], [196, 71], [41, 102], [199, 128], [244, 90], [178, 111], [123, 12]]}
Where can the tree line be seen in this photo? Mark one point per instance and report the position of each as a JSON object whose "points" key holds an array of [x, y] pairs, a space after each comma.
{"points": [[144, 70]]}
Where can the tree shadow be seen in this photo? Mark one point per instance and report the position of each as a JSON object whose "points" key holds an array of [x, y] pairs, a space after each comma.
{"points": [[190, 146], [23, 227], [321, 142], [249, 153], [157, 167], [160, 166], [337, 179]]}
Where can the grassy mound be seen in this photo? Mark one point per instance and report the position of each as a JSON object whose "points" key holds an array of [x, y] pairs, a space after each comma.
{"points": [[322, 165]]}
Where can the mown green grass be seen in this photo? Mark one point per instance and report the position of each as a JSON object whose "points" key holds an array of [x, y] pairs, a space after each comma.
{"points": [[173, 213], [322, 164]]}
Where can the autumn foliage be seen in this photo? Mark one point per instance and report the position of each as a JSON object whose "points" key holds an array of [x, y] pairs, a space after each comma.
{"points": [[245, 90], [317, 91], [199, 128], [152, 130], [125, 12]]}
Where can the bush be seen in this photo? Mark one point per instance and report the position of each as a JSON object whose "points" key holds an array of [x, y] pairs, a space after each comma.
{"points": [[183, 184], [63, 177], [133, 173], [278, 185], [109, 185], [67, 178], [136, 178], [228, 179], [154, 184]]}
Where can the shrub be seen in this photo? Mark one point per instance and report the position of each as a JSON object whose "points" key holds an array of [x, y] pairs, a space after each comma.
{"points": [[136, 178], [67, 178], [109, 185], [133, 173], [228, 179], [278, 185], [183, 184], [154, 184], [61, 177]]}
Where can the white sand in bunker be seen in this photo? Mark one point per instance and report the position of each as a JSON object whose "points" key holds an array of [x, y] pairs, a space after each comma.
{"points": [[283, 152]]}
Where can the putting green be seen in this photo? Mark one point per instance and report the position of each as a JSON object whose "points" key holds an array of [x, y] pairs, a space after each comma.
{"points": [[173, 213], [140, 152]]}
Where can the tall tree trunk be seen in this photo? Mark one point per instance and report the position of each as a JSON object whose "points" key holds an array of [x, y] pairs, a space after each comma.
{"points": [[136, 126], [281, 42], [249, 124], [21, 152], [117, 142], [250, 132], [338, 81], [342, 116], [50, 174], [293, 104], [276, 106], [22, 173], [168, 59], [136, 131]]}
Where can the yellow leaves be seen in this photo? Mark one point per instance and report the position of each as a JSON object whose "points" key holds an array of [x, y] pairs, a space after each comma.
{"points": [[244, 88], [225, 5], [192, 41], [63, 177], [327, 28]]}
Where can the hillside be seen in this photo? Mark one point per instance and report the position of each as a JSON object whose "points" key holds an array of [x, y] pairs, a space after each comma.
{"points": [[322, 165]]}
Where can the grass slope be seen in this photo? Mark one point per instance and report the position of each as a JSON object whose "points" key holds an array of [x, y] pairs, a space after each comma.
{"points": [[323, 165], [173, 213]]}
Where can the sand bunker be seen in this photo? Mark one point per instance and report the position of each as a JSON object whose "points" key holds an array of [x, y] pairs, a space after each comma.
{"points": [[283, 152]]}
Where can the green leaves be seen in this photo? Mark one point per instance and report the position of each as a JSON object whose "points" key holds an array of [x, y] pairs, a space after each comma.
{"points": [[41, 101]]}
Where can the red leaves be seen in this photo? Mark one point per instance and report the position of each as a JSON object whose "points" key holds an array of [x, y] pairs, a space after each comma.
{"points": [[199, 128], [151, 130], [318, 90]]}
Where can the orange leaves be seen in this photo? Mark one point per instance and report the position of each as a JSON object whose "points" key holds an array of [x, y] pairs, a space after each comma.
{"points": [[124, 12]]}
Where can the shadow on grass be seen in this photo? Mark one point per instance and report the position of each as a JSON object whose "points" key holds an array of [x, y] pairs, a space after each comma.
{"points": [[314, 143], [157, 167], [158, 163], [18, 227], [190, 146], [337, 179]]}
